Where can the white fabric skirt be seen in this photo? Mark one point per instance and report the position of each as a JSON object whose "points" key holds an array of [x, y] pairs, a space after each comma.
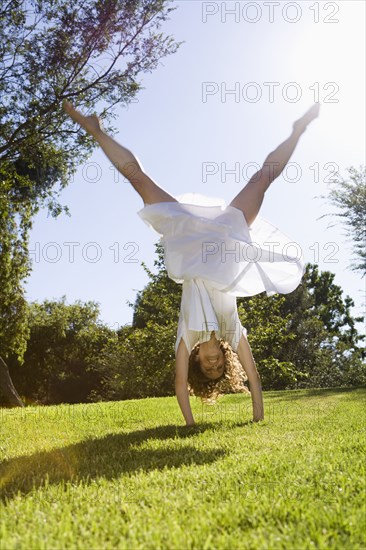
{"points": [[205, 239]]}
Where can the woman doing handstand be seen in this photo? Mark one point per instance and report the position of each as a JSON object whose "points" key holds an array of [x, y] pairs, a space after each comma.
{"points": [[209, 250]]}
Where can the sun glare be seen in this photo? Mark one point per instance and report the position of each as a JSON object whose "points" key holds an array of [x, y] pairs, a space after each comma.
{"points": [[329, 61]]}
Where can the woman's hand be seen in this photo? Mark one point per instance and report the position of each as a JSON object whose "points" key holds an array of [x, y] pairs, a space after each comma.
{"points": [[90, 123]]}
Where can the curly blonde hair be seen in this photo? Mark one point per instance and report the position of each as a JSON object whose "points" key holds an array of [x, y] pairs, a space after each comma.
{"points": [[231, 381]]}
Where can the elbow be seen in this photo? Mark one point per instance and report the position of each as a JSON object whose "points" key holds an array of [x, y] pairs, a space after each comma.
{"points": [[254, 377]]}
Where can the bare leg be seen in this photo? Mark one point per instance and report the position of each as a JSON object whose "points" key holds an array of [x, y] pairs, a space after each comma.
{"points": [[250, 198], [121, 158]]}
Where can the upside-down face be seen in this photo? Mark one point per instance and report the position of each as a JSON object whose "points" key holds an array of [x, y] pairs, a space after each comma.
{"points": [[211, 357]]}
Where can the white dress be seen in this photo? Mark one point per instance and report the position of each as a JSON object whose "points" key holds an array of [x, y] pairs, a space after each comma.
{"points": [[209, 248]]}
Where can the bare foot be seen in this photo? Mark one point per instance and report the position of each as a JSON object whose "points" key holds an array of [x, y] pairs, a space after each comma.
{"points": [[301, 124], [90, 123]]}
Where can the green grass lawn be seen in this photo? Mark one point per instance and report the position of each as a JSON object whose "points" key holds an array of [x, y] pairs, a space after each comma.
{"points": [[131, 475]]}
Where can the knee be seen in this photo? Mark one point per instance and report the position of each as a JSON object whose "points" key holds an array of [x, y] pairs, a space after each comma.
{"points": [[266, 175]]}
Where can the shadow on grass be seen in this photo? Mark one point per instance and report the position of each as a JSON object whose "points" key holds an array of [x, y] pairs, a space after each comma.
{"points": [[107, 457]]}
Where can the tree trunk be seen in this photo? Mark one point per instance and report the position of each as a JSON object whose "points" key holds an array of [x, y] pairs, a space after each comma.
{"points": [[7, 387]]}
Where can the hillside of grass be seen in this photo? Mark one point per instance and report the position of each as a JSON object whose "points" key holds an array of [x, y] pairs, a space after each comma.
{"points": [[131, 475]]}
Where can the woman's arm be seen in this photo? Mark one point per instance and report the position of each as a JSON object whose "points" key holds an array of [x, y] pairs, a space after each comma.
{"points": [[181, 378], [247, 360]]}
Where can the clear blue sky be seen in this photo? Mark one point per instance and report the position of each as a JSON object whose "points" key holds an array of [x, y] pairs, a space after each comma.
{"points": [[311, 51]]}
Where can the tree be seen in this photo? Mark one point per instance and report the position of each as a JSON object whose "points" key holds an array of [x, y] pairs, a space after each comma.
{"points": [[142, 364], [160, 300], [65, 347], [269, 333], [326, 343], [349, 196], [14, 267], [91, 52]]}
